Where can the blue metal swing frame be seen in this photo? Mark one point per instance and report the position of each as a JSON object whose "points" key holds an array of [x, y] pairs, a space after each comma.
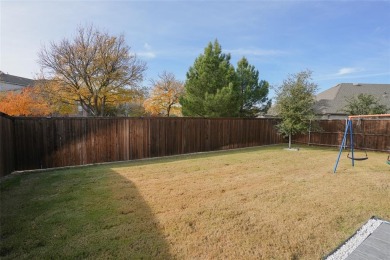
{"points": [[348, 127]]}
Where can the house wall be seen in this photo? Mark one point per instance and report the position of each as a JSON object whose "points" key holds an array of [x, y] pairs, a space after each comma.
{"points": [[4, 86], [331, 117]]}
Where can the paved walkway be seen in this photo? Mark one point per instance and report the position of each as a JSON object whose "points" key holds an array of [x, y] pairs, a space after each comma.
{"points": [[370, 242], [376, 246]]}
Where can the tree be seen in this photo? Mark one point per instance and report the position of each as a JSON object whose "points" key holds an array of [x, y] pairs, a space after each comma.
{"points": [[25, 103], [214, 88], [364, 104], [52, 93], [164, 98], [294, 104], [95, 69], [211, 88], [135, 107], [253, 92]]}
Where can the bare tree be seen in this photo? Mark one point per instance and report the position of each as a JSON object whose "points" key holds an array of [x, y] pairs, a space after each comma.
{"points": [[165, 95], [95, 69]]}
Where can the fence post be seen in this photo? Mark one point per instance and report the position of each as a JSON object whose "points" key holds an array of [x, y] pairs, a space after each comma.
{"points": [[308, 142]]}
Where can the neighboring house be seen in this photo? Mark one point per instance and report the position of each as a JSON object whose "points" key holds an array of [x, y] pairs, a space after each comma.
{"points": [[330, 103], [13, 83]]}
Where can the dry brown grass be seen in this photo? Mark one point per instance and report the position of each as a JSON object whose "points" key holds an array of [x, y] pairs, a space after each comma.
{"points": [[257, 203], [260, 203]]}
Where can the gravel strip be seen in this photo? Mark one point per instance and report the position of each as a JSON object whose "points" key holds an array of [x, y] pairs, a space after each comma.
{"points": [[351, 244]]}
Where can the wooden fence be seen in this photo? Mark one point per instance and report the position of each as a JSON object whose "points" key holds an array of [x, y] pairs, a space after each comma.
{"points": [[55, 142], [7, 145], [34, 143], [368, 134]]}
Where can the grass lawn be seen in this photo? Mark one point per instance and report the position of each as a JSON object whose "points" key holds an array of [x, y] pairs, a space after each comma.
{"points": [[245, 204]]}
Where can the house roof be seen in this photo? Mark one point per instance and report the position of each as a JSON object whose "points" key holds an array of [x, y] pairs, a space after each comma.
{"points": [[333, 100], [15, 80]]}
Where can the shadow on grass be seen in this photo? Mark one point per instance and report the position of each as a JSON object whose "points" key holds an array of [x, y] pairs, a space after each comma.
{"points": [[78, 213]]}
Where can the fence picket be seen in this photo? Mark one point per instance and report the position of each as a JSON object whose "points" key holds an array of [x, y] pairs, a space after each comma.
{"points": [[32, 143]]}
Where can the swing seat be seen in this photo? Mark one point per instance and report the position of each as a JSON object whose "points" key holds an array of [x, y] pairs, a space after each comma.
{"points": [[358, 158]]}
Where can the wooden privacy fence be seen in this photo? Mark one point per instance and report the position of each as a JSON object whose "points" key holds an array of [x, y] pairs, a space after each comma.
{"points": [[56, 142], [369, 134], [7, 145], [34, 143]]}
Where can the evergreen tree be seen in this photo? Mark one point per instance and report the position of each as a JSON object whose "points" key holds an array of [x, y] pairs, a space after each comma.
{"points": [[253, 92], [211, 88]]}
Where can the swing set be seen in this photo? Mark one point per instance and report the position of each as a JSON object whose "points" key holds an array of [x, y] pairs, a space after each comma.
{"points": [[351, 153]]}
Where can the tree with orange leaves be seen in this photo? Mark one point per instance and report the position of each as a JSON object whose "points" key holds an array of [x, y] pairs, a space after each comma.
{"points": [[165, 95], [94, 69], [52, 92], [25, 103]]}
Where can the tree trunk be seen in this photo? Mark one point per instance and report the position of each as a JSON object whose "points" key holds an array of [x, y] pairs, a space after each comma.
{"points": [[168, 110], [289, 141], [95, 105], [103, 106]]}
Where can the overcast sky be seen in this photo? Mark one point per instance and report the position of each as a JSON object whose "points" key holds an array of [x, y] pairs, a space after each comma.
{"points": [[340, 41]]}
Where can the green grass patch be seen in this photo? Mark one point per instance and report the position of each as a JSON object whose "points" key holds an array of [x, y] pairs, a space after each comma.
{"points": [[75, 214], [10, 183]]}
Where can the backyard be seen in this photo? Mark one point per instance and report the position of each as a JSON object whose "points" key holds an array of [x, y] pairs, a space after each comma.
{"points": [[254, 203]]}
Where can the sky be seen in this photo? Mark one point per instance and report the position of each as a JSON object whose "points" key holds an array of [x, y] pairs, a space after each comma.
{"points": [[339, 41]]}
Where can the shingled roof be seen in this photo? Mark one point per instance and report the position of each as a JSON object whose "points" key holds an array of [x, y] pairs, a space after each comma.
{"points": [[333, 100], [11, 82]]}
